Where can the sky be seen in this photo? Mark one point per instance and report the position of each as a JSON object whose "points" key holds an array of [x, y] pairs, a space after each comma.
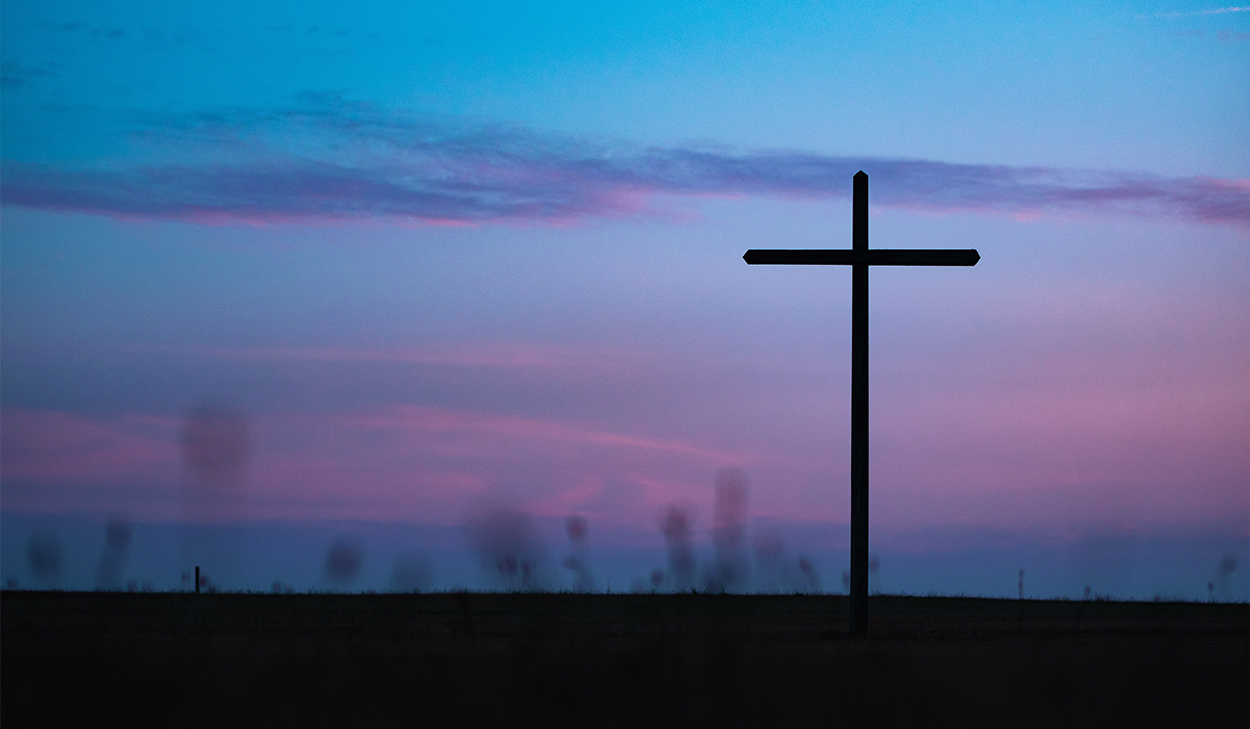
{"points": [[365, 289]]}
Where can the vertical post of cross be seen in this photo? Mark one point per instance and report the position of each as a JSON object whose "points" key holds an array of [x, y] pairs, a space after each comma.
{"points": [[197, 579], [859, 258], [859, 407]]}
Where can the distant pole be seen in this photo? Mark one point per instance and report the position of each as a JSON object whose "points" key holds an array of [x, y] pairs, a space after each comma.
{"points": [[1021, 584], [859, 407], [197, 579]]}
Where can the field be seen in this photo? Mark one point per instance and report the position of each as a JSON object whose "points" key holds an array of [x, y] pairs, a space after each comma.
{"points": [[618, 660]]}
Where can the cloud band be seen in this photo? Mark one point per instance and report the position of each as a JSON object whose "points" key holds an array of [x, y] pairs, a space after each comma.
{"points": [[344, 163]]}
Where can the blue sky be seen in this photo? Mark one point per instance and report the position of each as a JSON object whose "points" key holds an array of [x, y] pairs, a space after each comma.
{"points": [[1147, 87], [447, 255]]}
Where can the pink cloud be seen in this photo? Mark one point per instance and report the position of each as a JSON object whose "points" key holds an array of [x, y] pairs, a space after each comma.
{"points": [[394, 463], [1053, 436], [419, 422], [43, 445], [1160, 448]]}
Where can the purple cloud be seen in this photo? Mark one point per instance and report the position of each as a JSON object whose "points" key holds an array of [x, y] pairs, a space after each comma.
{"points": [[340, 162]]}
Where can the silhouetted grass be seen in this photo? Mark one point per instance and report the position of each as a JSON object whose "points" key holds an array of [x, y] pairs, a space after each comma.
{"points": [[621, 659]]}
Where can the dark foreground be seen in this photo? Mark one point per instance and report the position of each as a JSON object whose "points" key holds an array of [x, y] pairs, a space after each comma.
{"points": [[618, 660]]}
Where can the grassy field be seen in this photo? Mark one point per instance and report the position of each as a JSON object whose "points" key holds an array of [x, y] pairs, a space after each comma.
{"points": [[619, 660]]}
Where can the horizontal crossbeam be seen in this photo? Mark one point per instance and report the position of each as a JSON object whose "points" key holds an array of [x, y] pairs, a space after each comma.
{"points": [[876, 257]]}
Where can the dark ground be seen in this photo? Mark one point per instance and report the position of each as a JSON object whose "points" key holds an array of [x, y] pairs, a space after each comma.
{"points": [[618, 660]]}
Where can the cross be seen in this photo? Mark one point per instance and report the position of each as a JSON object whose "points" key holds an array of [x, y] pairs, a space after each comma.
{"points": [[859, 257]]}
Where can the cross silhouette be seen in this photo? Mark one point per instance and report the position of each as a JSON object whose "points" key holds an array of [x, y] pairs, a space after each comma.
{"points": [[859, 257]]}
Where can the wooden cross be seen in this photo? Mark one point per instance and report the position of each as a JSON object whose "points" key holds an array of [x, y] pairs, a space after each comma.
{"points": [[859, 257]]}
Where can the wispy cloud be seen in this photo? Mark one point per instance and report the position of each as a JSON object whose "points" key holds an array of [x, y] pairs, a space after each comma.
{"points": [[340, 162], [14, 75], [375, 464], [1196, 13], [40, 445], [516, 355]]}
